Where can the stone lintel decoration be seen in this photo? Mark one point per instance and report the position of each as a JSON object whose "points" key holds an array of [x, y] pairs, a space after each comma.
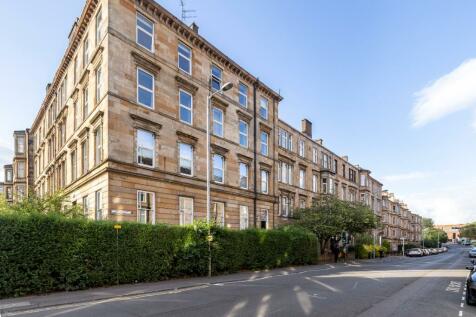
{"points": [[145, 123], [218, 149], [186, 84], [146, 63], [244, 158], [187, 138]]}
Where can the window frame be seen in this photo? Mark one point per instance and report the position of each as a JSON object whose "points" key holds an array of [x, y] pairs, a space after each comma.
{"points": [[138, 130], [98, 26], [214, 78], [216, 123], [264, 144], [180, 159], [222, 221], [185, 107], [266, 108], [242, 134], [264, 180], [146, 19], [180, 55], [244, 210], [98, 146], [152, 210], [247, 176], [99, 82], [302, 178], [86, 52], [242, 94], [151, 91], [222, 169], [182, 209]]}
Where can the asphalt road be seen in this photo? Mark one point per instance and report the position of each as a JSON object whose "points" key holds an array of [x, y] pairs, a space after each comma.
{"points": [[428, 286]]}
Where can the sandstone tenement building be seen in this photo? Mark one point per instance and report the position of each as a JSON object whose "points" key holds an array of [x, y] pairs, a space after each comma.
{"points": [[122, 131]]}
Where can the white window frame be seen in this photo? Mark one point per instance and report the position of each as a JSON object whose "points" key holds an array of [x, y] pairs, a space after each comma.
{"points": [[21, 172], [264, 104], [217, 122], [244, 134], [86, 52], [265, 144], [153, 148], [244, 217], [215, 78], [180, 159], [98, 211], [98, 84], [180, 55], [302, 148], [185, 107], [264, 181], [315, 181], [98, 25], [146, 19], [98, 146], [152, 210], [220, 221], [315, 155], [85, 203], [302, 178], [246, 167], [182, 200], [222, 168], [243, 94], [152, 91]]}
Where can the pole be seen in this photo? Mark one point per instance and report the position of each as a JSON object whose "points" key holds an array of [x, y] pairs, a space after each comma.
{"points": [[403, 246], [438, 240], [373, 251], [208, 159], [117, 256]]}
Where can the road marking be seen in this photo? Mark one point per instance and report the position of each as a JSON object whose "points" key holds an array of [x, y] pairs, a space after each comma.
{"points": [[355, 285], [462, 305], [460, 313], [462, 298], [453, 287], [14, 305], [332, 289]]}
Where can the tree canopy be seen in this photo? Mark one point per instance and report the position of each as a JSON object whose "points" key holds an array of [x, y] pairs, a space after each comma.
{"points": [[432, 235], [56, 204], [468, 231], [428, 223], [330, 216]]}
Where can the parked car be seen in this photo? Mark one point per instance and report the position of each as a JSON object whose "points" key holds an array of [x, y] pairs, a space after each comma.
{"points": [[445, 249], [472, 253], [426, 252], [471, 284], [414, 252]]}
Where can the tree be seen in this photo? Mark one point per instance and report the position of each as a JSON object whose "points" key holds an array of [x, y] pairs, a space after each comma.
{"points": [[432, 235], [329, 217], [468, 231], [55, 204], [427, 223]]}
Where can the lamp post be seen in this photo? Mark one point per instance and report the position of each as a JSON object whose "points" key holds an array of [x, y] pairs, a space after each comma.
{"points": [[223, 88], [403, 246]]}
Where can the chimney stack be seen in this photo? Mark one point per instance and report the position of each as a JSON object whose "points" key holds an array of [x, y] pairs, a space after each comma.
{"points": [[194, 27], [345, 158], [48, 85], [306, 127], [319, 141]]}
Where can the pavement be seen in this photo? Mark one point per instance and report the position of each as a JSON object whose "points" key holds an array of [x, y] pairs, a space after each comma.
{"points": [[395, 286]]}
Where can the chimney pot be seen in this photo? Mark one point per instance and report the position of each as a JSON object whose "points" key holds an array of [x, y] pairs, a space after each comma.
{"points": [[345, 158], [320, 141]]}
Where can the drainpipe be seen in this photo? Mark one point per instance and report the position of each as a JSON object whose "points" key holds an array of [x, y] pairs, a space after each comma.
{"points": [[255, 151]]}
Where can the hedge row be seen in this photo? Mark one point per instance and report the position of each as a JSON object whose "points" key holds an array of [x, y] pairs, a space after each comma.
{"points": [[40, 254]]}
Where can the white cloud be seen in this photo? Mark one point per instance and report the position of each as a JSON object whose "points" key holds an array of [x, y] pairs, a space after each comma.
{"points": [[406, 176], [445, 205], [452, 92]]}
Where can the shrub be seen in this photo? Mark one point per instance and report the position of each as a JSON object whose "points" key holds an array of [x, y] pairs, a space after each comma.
{"points": [[45, 253]]}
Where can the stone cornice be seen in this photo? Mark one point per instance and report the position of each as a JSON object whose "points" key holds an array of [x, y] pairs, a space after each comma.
{"points": [[169, 20], [146, 63], [186, 84], [74, 42]]}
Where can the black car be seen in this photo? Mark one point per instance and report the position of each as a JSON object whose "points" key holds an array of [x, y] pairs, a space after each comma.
{"points": [[471, 284]]}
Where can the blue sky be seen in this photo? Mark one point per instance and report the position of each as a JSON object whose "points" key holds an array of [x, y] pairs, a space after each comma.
{"points": [[389, 83]]}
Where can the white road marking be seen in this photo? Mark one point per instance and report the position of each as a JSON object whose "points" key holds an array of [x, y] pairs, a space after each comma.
{"points": [[462, 298], [332, 289], [460, 313], [355, 285], [462, 305], [13, 305]]}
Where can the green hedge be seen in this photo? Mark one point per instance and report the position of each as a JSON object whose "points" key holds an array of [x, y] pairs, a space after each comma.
{"points": [[40, 254]]}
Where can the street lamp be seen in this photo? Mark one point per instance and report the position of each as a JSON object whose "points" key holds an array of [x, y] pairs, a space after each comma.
{"points": [[225, 87], [403, 245]]}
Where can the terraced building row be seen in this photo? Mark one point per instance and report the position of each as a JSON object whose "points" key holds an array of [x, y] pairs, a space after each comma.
{"points": [[122, 131]]}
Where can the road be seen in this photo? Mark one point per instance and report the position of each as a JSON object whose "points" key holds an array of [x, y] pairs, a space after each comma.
{"points": [[428, 286]]}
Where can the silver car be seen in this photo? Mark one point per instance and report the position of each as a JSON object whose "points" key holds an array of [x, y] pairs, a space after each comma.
{"points": [[472, 253]]}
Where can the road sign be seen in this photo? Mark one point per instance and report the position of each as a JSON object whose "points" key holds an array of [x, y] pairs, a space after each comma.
{"points": [[117, 227], [210, 238]]}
